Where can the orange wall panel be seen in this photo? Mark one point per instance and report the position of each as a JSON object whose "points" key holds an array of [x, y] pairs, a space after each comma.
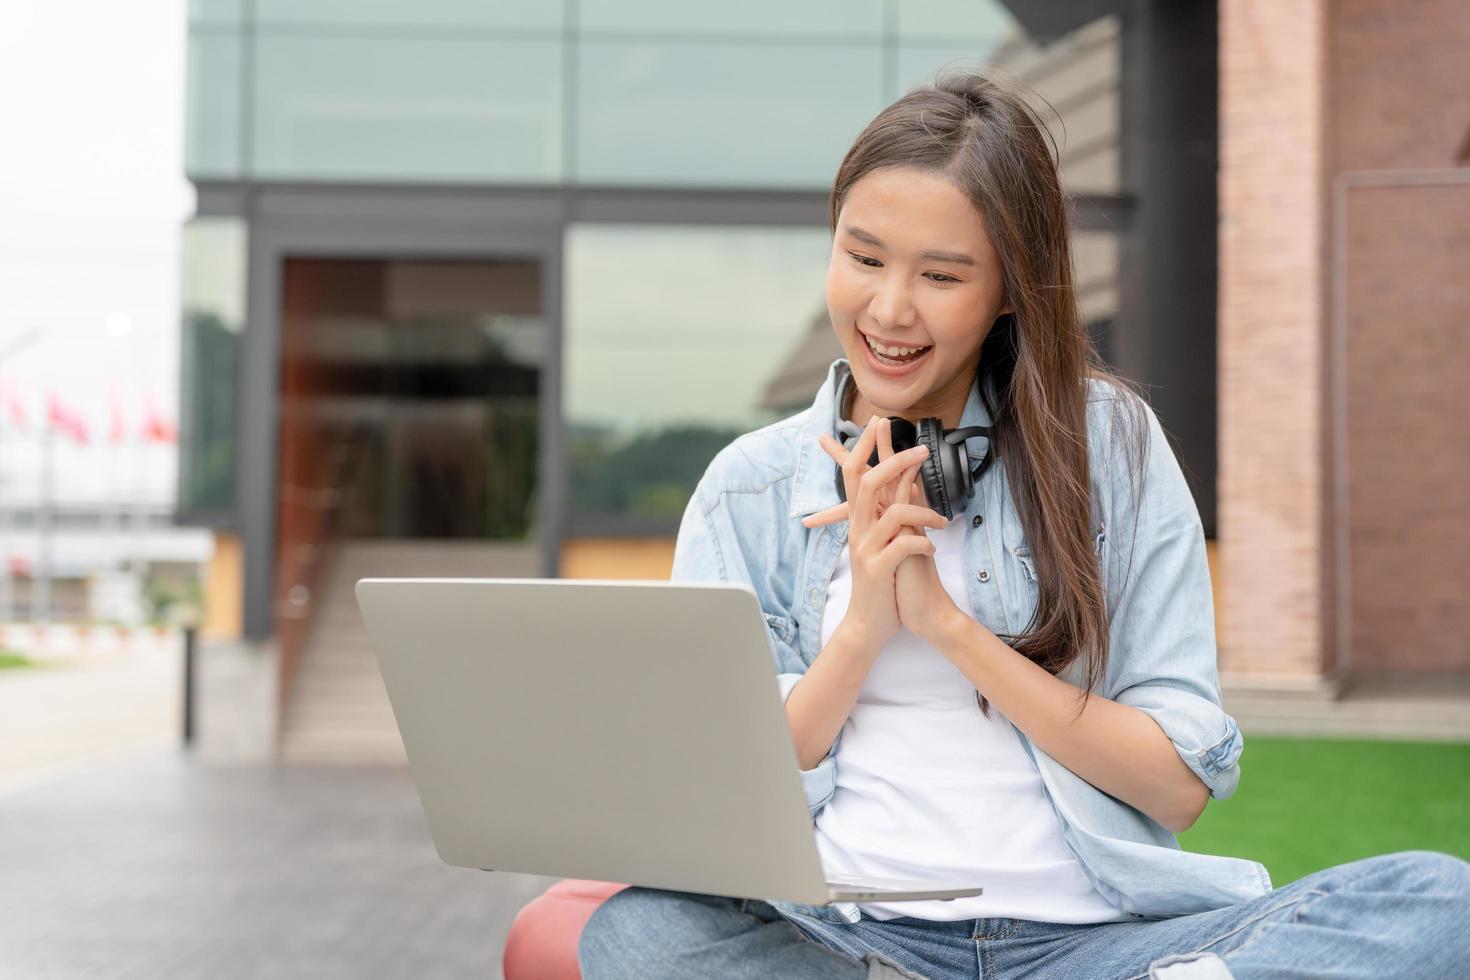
{"points": [[642, 558]]}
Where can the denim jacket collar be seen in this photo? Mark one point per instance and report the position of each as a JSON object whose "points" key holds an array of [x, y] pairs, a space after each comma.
{"points": [[814, 487]]}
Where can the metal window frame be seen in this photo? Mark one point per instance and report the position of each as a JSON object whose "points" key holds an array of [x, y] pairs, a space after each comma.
{"points": [[304, 220], [1167, 275]]}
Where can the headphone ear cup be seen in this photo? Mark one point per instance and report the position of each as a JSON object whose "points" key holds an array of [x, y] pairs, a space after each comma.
{"points": [[905, 434], [932, 470]]}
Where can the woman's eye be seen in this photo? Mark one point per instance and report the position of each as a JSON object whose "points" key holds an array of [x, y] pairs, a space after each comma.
{"points": [[938, 277]]}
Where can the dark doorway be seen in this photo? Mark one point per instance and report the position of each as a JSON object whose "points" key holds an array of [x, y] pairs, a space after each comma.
{"points": [[409, 403]]}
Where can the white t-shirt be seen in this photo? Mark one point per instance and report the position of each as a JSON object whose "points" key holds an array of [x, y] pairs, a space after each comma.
{"points": [[929, 788]]}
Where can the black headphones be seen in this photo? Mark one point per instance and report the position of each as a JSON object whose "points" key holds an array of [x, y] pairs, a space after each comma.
{"points": [[946, 474]]}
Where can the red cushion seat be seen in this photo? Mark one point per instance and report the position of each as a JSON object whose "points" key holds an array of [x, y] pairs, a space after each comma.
{"points": [[542, 942]]}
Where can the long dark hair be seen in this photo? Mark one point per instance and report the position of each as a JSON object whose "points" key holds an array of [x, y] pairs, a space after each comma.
{"points": [[1039, 360]]}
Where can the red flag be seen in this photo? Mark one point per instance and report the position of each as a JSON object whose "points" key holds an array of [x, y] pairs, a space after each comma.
{"points": [[65, 418], [156, 428], [14, 407], [117, 428]]}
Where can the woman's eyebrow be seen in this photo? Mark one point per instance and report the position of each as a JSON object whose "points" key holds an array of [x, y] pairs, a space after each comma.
{"points": [[959, 258]]}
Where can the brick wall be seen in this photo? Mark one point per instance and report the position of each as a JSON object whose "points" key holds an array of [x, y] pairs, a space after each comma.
{"points": [[1400, 109], [1313, 97], [1273, 470]]}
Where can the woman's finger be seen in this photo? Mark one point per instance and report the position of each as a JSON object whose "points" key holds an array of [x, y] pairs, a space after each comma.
{"points": [[880, 429], [907, 519], [885, 450], [829, 516], [887, 470], [862, 450], [856, 463], [869, 486], [832, 447], [900, 548], [906, 484], [906, 491]]}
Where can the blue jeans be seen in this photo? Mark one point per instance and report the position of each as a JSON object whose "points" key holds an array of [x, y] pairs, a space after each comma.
{"points": [[1397, 915]]}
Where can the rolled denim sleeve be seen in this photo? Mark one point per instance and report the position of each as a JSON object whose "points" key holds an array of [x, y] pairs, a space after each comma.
{"points": [[701, 554], [1163, 656]]}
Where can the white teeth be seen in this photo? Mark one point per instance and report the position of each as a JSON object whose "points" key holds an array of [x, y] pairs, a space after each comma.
{"points": [[891, 351]]}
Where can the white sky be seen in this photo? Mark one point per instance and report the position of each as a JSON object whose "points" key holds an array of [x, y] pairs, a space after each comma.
{"points": [[92, 197]]}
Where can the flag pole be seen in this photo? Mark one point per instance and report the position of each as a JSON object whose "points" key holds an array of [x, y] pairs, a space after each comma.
{"points": [[7, 592], [7, 587], [41, 580]]}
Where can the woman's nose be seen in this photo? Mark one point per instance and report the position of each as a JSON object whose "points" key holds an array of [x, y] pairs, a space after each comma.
{"points": [[892, 304]]}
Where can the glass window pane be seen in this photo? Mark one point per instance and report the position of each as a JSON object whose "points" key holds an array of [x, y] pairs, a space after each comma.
{"points": [[674, 339], [411, 13], [810, 18], [919, 63], [951, 20], [218, 12], [722, 114], [427, 108], [212, 114], [1076, 76], [212, 288]]}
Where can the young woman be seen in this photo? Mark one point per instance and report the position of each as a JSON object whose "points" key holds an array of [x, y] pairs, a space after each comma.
{"points": [[1018, 667]]}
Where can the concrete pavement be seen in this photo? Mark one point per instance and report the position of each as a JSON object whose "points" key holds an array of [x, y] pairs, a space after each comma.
{"points": [[153, 865]]}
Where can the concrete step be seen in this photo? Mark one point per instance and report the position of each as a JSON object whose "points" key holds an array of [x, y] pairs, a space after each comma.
{"points": [[348, 670], [340, 657], [344, 751], [337, 712], [339, 717]]}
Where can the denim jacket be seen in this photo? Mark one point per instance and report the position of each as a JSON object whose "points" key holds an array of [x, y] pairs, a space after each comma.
{"points": [[743, 525]]}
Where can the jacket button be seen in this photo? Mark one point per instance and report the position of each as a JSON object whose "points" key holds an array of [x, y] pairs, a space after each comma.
{"points": [[984, 575], [977, 521]]}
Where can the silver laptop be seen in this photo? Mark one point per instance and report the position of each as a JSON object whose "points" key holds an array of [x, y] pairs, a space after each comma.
{"points": [[623, 731]]}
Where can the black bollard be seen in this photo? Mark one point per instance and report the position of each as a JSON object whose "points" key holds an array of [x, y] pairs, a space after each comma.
{"points": [[189, 686]]}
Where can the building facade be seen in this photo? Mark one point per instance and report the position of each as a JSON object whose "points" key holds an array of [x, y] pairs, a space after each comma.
{"points": [[481, 288]]}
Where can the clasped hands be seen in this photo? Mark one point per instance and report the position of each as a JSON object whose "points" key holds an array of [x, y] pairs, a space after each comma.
{"points": [[895, 581]]}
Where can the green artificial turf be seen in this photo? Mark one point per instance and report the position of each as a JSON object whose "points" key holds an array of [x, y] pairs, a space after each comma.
{"points": [[11, 659], [1308, 804]]}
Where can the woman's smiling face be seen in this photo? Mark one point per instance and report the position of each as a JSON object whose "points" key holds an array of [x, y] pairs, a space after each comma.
{"points": [[912, 267]]}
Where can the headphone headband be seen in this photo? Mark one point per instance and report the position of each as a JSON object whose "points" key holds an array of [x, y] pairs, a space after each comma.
{"points": [[945, 473]]}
